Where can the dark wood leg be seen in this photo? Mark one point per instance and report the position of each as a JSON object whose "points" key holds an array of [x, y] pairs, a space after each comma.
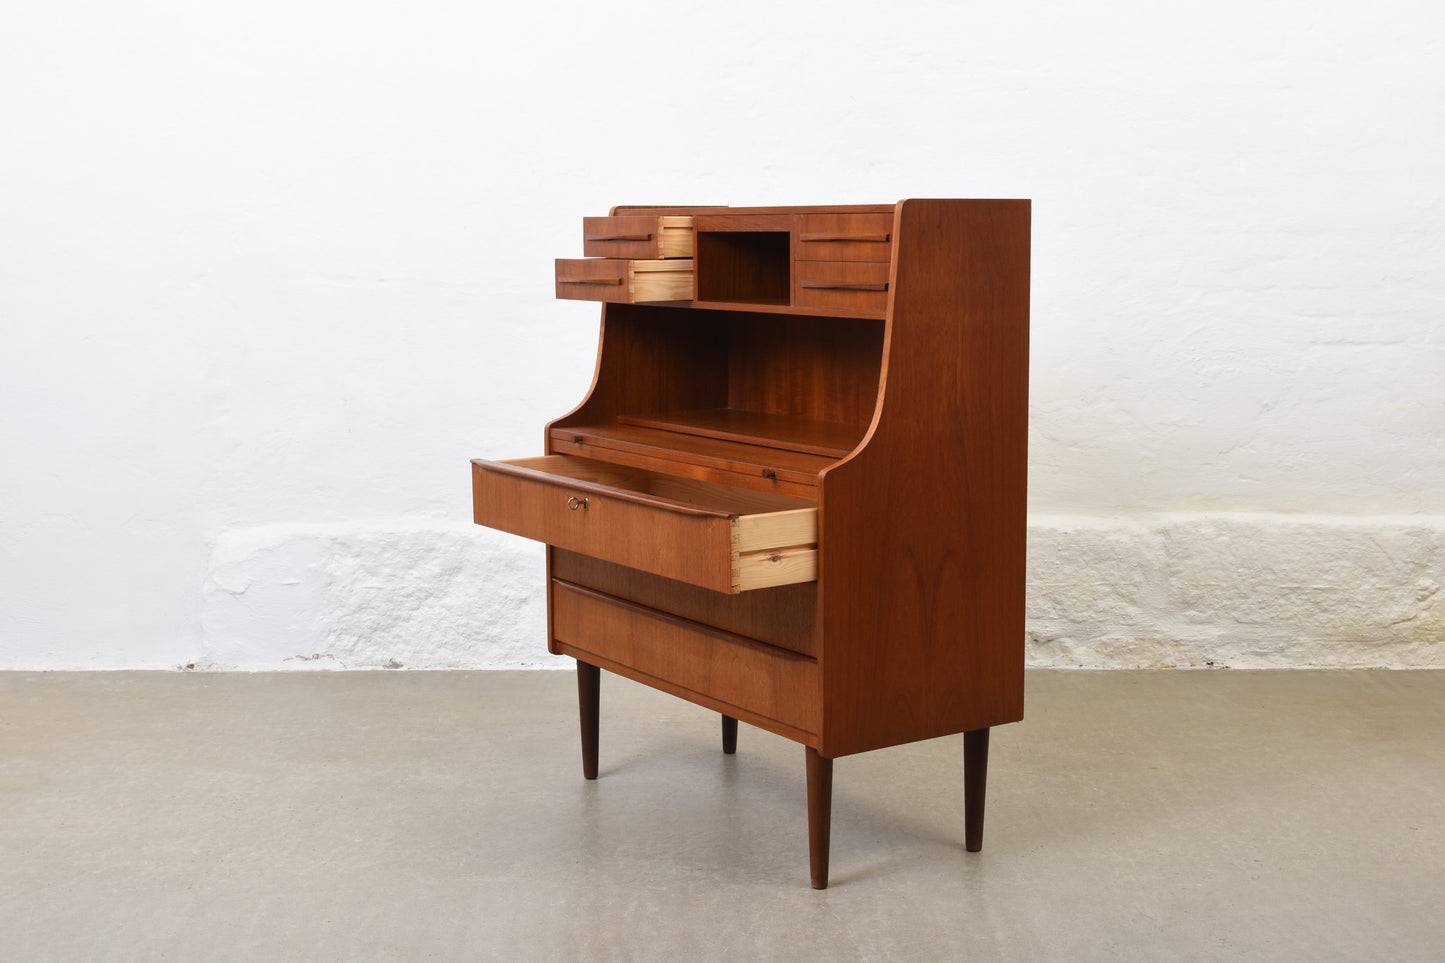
{"points": [[589, 679], [730, 735], [820, 815], [975, 781]]}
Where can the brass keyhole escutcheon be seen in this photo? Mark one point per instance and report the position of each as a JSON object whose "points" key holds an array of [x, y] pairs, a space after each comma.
{"points": [[575, 503]]}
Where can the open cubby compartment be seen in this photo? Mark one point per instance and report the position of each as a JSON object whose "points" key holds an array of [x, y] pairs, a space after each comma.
{"points": [[744, 266], [800, 384]]}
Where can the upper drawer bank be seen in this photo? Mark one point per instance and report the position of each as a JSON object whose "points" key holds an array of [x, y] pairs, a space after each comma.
{"points": [[621, 281], [716, 536], [757, 259], [637, 236]]}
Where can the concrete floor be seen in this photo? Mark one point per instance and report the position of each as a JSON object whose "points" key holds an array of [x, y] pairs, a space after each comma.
{"points": [[442, 815]]}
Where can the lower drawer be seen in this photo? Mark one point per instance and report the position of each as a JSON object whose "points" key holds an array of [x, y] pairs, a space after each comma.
{"points": [[689, 659], [857, 287]]}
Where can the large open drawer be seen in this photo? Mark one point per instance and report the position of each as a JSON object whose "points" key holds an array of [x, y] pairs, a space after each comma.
{"points": [[717, 536]]}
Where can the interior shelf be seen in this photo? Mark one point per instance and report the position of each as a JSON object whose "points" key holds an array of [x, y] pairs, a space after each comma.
{"points": [[782, 306], [699, 456], [783, 432]]}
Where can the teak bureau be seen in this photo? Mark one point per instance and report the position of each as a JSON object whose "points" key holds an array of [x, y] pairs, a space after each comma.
{"points": [[795, 493]]}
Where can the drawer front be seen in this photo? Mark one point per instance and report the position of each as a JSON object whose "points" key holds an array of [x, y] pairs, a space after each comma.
{"points": [[581, 279], [634, 236], [618, 281], [715, 665], [859, 287], [715, 536], [844, 237]]}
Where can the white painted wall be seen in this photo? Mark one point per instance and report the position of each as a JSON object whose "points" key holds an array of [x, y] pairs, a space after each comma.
{"points": [[270, 273]]}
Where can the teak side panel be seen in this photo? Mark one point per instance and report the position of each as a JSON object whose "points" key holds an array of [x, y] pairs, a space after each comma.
{"points": [[923, 530]]}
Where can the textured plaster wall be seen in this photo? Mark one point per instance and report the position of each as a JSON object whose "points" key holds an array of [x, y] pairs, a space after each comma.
{"points": [[270, 274]]}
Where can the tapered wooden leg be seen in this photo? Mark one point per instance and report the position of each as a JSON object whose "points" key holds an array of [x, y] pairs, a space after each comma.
{"points": [[589, 679], [820, 815], [730, 735], [975, 781]]}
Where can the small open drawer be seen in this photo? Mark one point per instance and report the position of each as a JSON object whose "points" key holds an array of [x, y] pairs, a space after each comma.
{"points": [[716, 536], [620, 281], [637, 236]]}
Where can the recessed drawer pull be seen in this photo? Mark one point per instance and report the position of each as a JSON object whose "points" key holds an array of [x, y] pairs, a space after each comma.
{"points": [[575, 503], [874, 238], [847, 285], [617, 237], [590, 280]]}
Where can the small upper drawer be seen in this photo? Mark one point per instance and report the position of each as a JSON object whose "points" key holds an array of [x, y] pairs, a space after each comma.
{"points": [[637, 236], [722, 538], [624, 282], [857, 288], [844, 237]]}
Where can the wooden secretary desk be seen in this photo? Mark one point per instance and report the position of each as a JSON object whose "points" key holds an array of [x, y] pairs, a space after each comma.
{"points": [[795, 493]]}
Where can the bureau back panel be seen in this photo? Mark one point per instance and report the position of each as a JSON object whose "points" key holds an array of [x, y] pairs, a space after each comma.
{"points": [[815, 368]]}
